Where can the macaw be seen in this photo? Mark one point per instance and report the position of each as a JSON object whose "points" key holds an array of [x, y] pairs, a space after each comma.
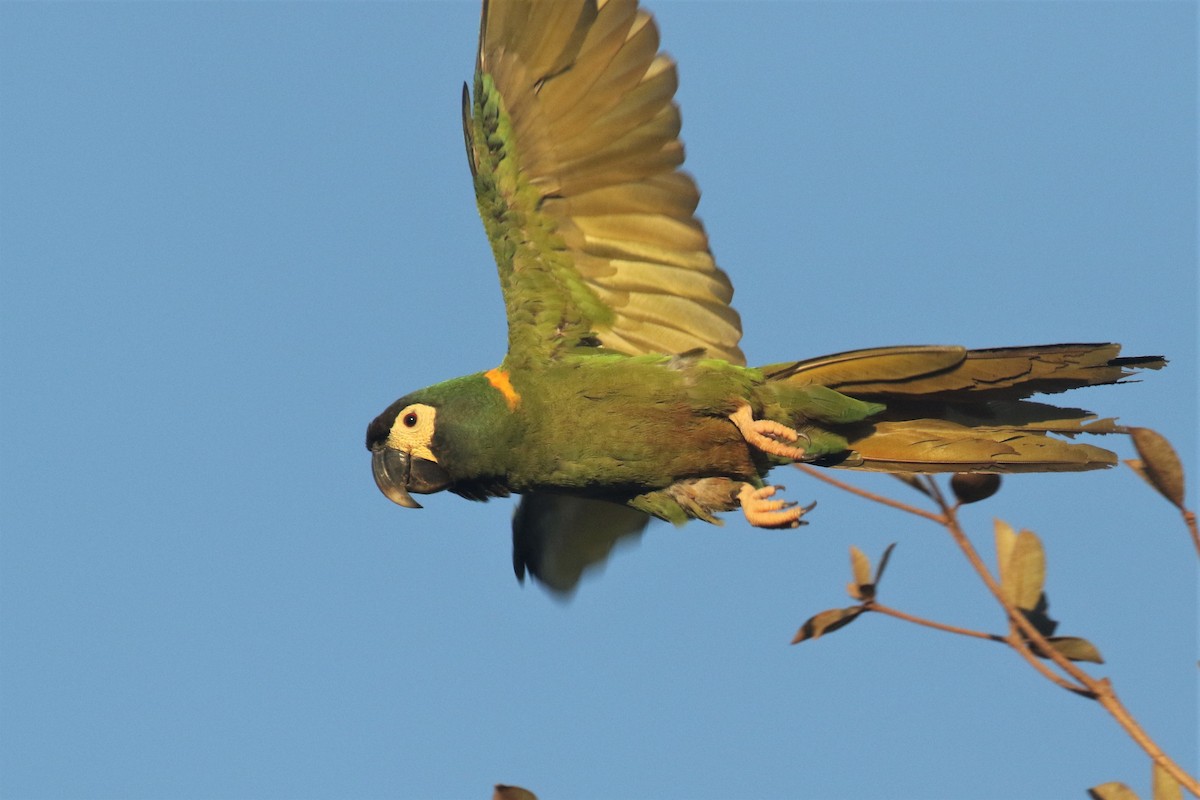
{"points": [[624, 394]]}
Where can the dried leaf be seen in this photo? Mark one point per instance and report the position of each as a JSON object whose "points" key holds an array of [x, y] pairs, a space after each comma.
{"points": [[502, 792], [1164, 786], [1076, 649], [1160, 464], [1027, 570], [826, 622], [861, 565], [1139, 469], [1006, 539], [971, 487], [1113, 790], [883, 562]]}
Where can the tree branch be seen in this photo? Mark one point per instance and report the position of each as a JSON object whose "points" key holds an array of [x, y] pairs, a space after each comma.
{"points": [[823, 475], [1189, 519], [1023, 637], [1099, 689], [928, 623]]}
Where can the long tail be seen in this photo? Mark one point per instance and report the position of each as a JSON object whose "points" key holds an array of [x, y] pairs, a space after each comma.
{"points": [[950, 409]]}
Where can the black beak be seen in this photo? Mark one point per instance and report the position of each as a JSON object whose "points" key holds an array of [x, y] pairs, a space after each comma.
{"points": [[397, 473]]}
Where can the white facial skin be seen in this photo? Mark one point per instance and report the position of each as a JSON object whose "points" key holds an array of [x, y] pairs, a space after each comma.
{"points": [[412, 432]]}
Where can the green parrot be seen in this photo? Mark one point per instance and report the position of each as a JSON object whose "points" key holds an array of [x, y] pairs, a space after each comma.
{"points": [[624, 394]]}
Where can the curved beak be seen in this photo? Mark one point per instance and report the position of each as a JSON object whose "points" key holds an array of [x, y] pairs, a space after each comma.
{"points": [[397, 473]]}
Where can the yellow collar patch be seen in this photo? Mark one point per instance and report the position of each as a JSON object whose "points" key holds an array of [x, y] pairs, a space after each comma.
{"points": [[498, 378]]}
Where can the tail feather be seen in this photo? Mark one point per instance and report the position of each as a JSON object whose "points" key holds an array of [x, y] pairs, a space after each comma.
{"points": [[931, 445], [955, 373], [950, 409]]}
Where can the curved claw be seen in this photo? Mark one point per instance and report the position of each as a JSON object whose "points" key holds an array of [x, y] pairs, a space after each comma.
{"points": [[762, 512]]}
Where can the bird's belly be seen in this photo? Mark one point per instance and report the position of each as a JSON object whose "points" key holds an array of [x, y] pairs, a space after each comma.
{"points": [[596, 445]]}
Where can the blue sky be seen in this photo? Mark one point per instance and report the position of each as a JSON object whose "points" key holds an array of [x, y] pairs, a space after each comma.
{"points": [[232, 233]]}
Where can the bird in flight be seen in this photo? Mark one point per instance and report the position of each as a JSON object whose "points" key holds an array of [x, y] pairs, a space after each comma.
{"points": [[624, 394]]}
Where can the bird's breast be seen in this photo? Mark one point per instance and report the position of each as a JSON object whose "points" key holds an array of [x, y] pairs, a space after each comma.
{"points": [[638, 427]]}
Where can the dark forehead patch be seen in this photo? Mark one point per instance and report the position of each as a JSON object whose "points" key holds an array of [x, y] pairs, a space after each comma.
{"points": [[381, 426]]}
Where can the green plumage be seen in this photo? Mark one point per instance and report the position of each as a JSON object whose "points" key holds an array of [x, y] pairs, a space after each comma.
{"points": [[624, 392]]}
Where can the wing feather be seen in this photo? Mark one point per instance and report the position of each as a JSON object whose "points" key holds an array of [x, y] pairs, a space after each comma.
{"points": [[573, 139], [640, 276], [669, 194]]}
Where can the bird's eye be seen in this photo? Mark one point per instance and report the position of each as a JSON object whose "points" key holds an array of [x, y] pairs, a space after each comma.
{"points": [[410, 420]]}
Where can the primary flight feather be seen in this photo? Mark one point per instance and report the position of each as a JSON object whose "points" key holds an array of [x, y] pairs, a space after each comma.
{"points": [[624, 393]]}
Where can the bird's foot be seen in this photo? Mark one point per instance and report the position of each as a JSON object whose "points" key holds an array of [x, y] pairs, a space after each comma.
{"points": [[767, 434], [763, 512]]}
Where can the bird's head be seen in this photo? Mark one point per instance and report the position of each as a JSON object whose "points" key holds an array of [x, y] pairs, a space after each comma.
{"points": [[401, 441], [446, 436]]}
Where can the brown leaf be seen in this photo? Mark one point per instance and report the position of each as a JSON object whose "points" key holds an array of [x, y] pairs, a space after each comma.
{"points": [[826, 622], [1139, 468], [860, 565], [1164, 786], [502, 792], [1160, 464], [883, 562], [971, 487], [1113, 790], [1075, 648]]}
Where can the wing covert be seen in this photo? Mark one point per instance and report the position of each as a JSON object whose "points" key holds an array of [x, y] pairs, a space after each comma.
{"points": [[573, 140]]}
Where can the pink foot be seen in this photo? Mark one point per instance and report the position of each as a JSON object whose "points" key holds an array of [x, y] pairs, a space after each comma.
{"points": [[762, 512], [767, 434]]}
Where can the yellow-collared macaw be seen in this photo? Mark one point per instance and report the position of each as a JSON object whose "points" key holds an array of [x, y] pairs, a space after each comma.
{"points": [[624, 393]]}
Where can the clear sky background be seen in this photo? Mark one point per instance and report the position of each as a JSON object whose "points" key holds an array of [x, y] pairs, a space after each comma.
{"points": [[232, 233]]}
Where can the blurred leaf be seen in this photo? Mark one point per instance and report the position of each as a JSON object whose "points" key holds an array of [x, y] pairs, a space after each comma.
{"points": [[1164, 786], [1160, 464], [1139, 468], [1006, 539], [861, 565], [1114, 790], [914, 481], [1075, 648], [971, 487], [883, 562], [826, 622], [1027, 570], [502, 792]]}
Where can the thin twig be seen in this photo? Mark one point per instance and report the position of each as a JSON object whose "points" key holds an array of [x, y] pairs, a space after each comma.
{"points": [[1013, 640], [878, 498], [941, 626], [1189, 519], [1022, 647]]}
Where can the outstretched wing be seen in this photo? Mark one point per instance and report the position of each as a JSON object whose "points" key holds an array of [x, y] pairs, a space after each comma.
{"points": [[573, 141]]}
